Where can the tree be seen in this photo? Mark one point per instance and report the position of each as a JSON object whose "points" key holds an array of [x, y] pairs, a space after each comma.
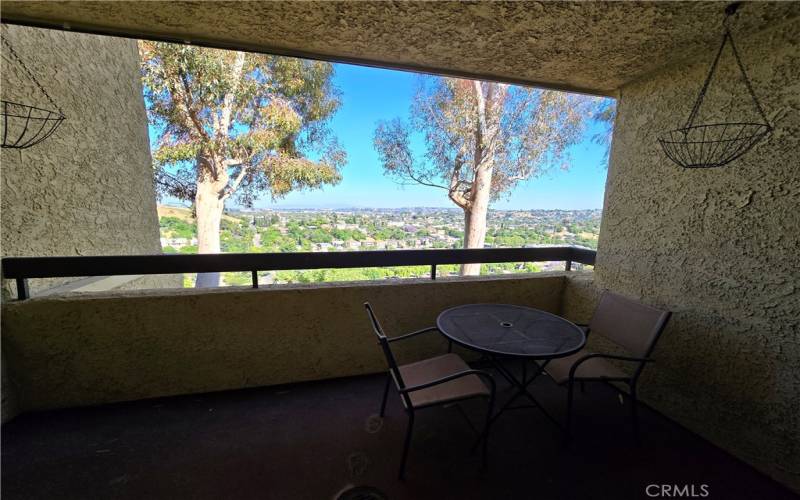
{"points": [[237, 124], [482, 138], [604, 115]]}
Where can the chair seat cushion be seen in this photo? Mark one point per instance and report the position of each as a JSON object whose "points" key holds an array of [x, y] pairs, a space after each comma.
{"points": [[431, 369], [594, 368]]}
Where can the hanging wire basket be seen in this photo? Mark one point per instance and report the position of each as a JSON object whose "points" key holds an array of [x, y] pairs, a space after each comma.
{"points": [[715, 144], [24, 125]]}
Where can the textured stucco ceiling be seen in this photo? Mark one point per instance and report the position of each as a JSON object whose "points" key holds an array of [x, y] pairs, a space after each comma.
{"points": [[587, 46]]}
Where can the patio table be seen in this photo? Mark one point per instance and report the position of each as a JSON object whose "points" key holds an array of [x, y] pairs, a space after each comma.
{"points": [[501, 331]]}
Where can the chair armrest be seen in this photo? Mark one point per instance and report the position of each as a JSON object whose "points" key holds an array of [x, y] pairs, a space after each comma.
{"points": [[481, 373], [606, 356], [413, 334]]}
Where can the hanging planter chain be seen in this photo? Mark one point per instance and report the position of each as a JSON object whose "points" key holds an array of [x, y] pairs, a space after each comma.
{"points": [[716, 144], [24, 125]]}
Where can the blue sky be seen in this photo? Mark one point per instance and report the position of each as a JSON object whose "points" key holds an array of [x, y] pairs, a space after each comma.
{"points": [[370, 95]]}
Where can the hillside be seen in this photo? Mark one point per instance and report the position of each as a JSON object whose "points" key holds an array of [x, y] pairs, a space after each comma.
{"points": [[185, 214]]}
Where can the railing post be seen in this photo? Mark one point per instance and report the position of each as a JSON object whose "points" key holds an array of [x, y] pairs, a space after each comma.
{"points": [[23, 291], [568, 265], [255, 279], [433, 271]]}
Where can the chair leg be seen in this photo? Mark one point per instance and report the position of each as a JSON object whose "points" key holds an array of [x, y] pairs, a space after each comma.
{"points": [[634, 413], [407, 444], [385, 393], [568, 426], [486, 431]]}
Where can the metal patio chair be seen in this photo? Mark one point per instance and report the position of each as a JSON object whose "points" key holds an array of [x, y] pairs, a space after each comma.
{"points": [[431, 382], [633, 326]]}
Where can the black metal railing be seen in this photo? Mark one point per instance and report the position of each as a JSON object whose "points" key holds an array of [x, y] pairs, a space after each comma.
{"points": [[22, 269]]}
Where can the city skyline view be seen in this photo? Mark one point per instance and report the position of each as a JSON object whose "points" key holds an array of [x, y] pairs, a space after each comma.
{"points": [[369, 95]]}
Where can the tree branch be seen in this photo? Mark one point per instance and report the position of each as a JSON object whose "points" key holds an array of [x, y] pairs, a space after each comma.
{"points": [[453, 192], [188, 101], [451, 141], [496, 129], [227, 101], [411, 176], [459, 199], [231, 188], [481, 128], [175, 186]]}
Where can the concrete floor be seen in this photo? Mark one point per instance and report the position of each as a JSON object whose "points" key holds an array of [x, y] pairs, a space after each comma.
{"points": [[310, 441]]}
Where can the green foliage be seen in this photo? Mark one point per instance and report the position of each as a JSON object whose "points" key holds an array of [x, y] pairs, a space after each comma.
{"points": [[305, 232], [238, 279], [384, 273], [604, 115], [520, 131], [258, 118], [173, 227], [269, 237]]}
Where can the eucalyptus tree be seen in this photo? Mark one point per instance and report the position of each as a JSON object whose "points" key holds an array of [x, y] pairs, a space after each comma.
{"points": [[605, 114], [236, 125], [482, 139]]}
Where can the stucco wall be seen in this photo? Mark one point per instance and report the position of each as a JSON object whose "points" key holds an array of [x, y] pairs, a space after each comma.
{"points": [[719, 247], [115, 346], [88, 189], [594, 46]]}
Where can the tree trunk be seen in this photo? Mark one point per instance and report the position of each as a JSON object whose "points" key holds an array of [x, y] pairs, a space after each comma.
{"points": [[209, 204], [475, 217]]}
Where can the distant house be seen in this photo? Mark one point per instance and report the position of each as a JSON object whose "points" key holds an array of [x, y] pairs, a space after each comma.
{"points": [[177, 242]]}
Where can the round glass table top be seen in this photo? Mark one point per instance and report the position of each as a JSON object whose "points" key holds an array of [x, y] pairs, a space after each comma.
{"points": [[511, 330]]}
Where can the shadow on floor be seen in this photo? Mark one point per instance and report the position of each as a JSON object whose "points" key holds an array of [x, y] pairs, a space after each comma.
{"points": [[312, 440]]}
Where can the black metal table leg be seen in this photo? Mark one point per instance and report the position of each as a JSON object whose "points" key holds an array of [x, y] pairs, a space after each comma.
{"points": [[522, 390]]}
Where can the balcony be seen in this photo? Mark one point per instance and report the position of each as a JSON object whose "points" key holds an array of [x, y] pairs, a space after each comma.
{"points": [[211, 405], [313, 440], [272, 392]]}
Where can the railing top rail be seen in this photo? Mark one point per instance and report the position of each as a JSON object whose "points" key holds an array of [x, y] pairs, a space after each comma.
{"points": [[60, 267]]}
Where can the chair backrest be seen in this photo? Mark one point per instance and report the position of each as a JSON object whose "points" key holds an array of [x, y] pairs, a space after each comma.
{"points": [[632, 325], [387, 350]]}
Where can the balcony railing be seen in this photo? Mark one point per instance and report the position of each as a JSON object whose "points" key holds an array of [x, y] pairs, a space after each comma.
{"points": [[22, 269]]}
